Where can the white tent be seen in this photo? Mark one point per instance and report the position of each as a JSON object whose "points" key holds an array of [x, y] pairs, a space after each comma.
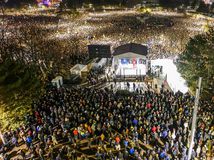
{"points": [[101, 63], [58, 81], [79, 69]]}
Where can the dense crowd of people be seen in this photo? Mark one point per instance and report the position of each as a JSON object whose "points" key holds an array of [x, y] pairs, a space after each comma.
{"points": [[117, 28], [164, 40], [111, 126], [94, 75], [101, 124]]}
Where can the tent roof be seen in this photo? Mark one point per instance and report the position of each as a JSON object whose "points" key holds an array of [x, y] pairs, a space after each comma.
{"points": [[131, 47]]}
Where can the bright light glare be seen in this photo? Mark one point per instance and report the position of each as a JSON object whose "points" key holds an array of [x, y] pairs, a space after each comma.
{"points": [[174, 79]]}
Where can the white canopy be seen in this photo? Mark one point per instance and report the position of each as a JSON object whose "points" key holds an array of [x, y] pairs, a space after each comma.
{"points": [[101, 63], [57, 81], [78, 69]]}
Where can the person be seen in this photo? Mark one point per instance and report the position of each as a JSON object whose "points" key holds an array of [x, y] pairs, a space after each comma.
{"points": [[98, 155], [135, 122], [102, 137], [125, 154], [75, 132], [58, 157], [54, 139], [84, 157], [128, 85], [41, 154], [15, 141], [131, 151], [6, 157], [99, 115], [117, 147], [117, 139], [115, 81], [134, 86], [74, 155], [29, 141], [162, 155], [126, 142], [50, 152], [198, 151], [22, 154]]}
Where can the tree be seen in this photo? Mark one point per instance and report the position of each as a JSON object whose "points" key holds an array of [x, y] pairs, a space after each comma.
{"points": [[197, 61], [177, 3], [203, 7], [20, 78], [168, 3]]}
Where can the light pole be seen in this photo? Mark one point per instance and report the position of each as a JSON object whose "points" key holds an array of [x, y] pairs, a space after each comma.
{"points": [[194, 119]]}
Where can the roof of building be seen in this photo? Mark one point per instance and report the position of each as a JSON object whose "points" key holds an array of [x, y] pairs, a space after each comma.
{"points": [[131, 47]]}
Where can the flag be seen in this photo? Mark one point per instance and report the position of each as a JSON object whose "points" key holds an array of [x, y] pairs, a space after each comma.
{"points": [[134, 62], [124, 61]]}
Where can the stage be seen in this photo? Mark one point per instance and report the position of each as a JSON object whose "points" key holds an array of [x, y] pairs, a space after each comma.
{"points": [[130, 60], [124, 71]]}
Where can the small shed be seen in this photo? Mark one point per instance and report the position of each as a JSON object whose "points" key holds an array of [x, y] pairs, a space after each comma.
{"points": [[100, 63], [57, 81], [79, 69]]}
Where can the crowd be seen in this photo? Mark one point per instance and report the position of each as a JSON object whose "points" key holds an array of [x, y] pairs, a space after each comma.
{"points": [[100, 124], [164, 40], [111, 126], [94, 75], [118, 28]]}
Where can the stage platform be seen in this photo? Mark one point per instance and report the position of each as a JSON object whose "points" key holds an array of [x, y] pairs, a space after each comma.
{"points": [[123, 86]]}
